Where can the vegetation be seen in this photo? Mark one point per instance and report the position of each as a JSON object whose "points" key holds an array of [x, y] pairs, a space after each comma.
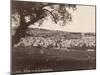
{"points": [[36, 12], [49, 39]]}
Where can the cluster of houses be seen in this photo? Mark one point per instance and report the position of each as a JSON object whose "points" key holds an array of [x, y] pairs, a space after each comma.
{"points": [[52, 42]]}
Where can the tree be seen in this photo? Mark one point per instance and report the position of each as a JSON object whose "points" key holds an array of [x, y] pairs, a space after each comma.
{"points": [[36, 12]]}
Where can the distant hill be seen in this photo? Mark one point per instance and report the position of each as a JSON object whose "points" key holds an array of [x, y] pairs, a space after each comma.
{"points": [[55, 33]]}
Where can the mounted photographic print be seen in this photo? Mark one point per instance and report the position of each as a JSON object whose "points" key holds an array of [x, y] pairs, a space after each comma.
{"points": [[52, 37]]}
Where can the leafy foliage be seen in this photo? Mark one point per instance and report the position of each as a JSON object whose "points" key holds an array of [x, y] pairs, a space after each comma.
{"points": [[36, 12]]}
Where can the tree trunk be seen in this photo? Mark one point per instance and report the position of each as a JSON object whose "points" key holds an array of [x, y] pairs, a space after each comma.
{"points": [[20, 32]]}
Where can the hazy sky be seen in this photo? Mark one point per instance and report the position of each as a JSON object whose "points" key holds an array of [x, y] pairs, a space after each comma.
{"points": [[83, 21]]}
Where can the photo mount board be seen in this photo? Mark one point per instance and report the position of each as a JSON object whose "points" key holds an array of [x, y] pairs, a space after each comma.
{"points": [[52, 37]]}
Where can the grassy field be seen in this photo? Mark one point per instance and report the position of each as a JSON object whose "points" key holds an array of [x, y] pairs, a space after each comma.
{"points": [[37, 59]]}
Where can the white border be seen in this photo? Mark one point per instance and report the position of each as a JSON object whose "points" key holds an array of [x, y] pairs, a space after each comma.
{"points": [[5, 37]]}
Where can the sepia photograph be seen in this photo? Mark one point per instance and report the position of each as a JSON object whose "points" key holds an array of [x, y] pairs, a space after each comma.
{"points": [[52, 37]]}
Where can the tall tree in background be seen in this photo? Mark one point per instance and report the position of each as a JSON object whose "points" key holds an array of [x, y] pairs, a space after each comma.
{"points": [[36, 12]]}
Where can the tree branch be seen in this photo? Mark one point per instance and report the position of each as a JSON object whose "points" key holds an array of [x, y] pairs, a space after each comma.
{"points": [[51, 14]]}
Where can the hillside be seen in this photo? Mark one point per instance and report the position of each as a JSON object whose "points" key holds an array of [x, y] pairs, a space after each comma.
{"points": [[55, 33]]}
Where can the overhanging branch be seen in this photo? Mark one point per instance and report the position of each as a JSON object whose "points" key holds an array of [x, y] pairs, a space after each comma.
{"points": [[51, 14]]}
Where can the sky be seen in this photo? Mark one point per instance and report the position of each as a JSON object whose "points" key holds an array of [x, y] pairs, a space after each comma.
{"points": [[83, 21]]}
